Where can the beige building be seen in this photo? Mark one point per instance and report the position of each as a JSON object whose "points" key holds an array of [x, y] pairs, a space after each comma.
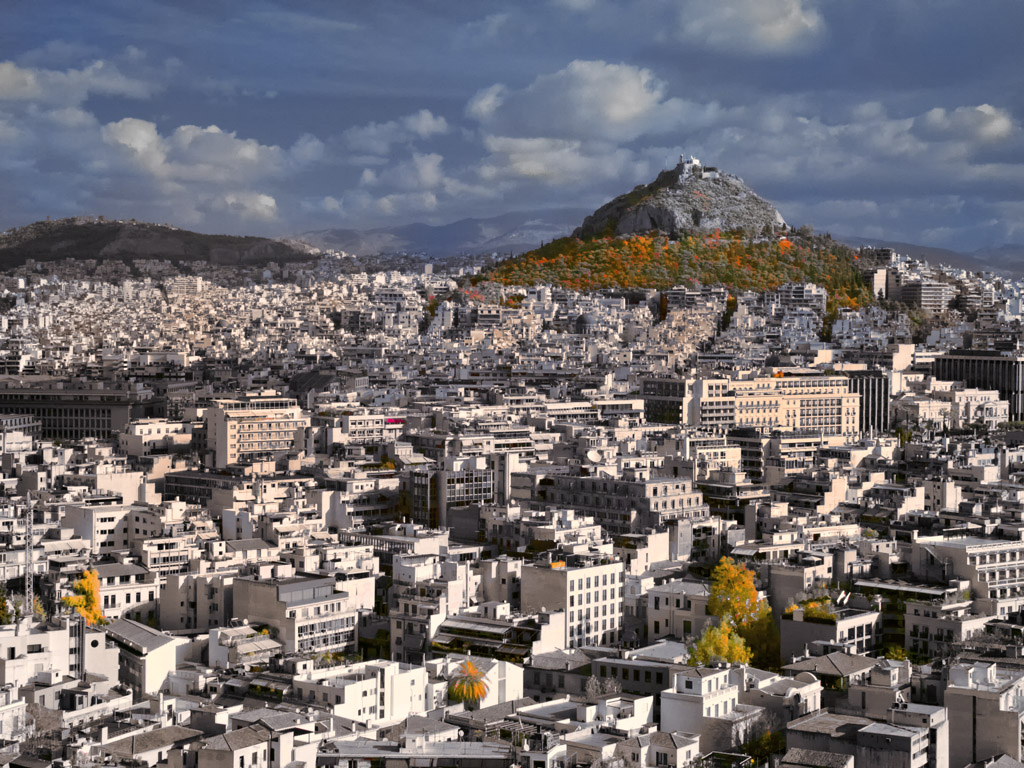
{"points": [[994, 567], [307, 613], [794, 400], [147, 655], [253, 427]]}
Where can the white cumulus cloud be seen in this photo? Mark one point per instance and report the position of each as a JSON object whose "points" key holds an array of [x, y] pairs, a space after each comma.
{"points": [[251, 205], [589, 100], [378, 138], [751, 26], [69, 87], [983, 123]]}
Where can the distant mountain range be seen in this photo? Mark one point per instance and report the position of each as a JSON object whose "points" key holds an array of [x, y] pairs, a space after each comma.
{"points": [[1007, 258], [507, 234], [94, 238]]}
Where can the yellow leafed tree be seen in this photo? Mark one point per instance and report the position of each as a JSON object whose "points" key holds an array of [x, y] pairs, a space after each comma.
{"points": [[733, 594], [467, 684], [86, 597], [734, 599], [719, 643]]}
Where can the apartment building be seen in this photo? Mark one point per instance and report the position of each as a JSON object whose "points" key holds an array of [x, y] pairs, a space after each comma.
{"points": [[147, 655], [127, 589], [935, 627], [253, 427], [677, 609], [589, 588], [929, 295], [306, 612], [986, 712], [198, 601], [869, 742], [705, 701], [626, 504], [848, 629], [374, 693], [103, 526], [994, 567]]}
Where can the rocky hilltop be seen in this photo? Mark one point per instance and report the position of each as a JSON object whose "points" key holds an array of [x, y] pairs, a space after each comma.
{"points": [[690, 198], [692, 225], [97, 238]]}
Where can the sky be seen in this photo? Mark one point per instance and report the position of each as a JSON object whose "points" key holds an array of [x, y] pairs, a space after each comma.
{"points": [[896, 119]]}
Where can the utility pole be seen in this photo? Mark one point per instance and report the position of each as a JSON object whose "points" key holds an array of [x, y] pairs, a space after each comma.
{"points": [[29, 590], [30, 595]]}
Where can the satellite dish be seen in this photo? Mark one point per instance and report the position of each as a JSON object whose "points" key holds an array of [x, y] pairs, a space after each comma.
{"points": [[593, 456]]}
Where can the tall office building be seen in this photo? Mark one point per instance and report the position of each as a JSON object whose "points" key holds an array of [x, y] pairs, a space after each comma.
{"points": [[873, 388], [987, 369], [69, 411], [928, 295]]}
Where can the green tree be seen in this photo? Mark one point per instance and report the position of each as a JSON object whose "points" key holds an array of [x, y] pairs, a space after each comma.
{"points": [[895, 652], [6, 615], [762, 637]]}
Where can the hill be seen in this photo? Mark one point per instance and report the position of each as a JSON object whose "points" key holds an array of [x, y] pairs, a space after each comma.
{"points": [[652, 238], [94, 238], [655, 261], [508, 233]]}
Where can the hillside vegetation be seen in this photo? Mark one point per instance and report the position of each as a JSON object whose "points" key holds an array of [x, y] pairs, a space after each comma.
{"points": [[655, 261]]}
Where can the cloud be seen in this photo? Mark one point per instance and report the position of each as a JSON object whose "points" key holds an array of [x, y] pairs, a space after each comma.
{"points": [[248, 205], [483, 30], [558, 162], [983, 123], [378, 138], [192, 153], [70, 87], [576, 5], [424, 124], [589, 100], [486, 102], [742, 27]]}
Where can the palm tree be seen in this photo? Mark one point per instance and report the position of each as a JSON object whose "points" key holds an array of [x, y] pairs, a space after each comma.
{"points": [[467, 684]]}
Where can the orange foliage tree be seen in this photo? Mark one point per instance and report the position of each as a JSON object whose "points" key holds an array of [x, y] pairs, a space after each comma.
{"points": [[733, 594], [86, 597], [467, 684], [734, 599]]}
